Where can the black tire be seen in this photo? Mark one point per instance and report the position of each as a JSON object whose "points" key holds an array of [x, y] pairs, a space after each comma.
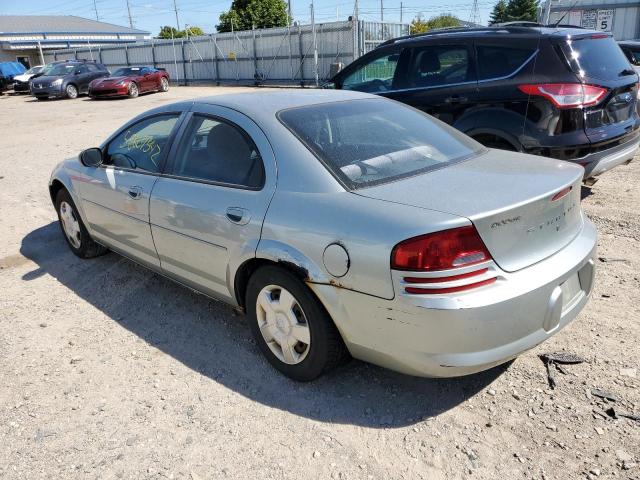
{"points": [[87, 247], [71, 91], [326, 348], [134, 91]]}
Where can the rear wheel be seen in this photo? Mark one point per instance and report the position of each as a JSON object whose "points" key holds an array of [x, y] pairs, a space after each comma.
{"points": [[75, 233], [164, 84], [71, 91], [133, 90], [290, 326]]}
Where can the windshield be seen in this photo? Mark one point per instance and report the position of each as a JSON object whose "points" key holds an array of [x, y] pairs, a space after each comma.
{"points": [[126, 72], [33, 70], [372, 141], [60, 69], [597, 56]]}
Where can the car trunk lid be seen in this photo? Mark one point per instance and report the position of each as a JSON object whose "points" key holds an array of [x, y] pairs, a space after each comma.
{"points": [[508, 197]]}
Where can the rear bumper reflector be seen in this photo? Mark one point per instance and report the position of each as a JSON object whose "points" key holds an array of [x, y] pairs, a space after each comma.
{"points": [[460, 288], [451, 278]]}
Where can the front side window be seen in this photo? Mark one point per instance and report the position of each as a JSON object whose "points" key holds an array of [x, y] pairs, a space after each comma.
{"points": [[142, 145], [435, 66], [374, 141], [376, 75], [216, 151]]}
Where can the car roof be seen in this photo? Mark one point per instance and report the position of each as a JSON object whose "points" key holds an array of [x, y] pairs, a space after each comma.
{"points": [[515, 28], [630, 43], [270, 102]]}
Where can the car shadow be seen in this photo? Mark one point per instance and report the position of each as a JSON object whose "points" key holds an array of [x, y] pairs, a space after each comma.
{"points": [[585, 192], [212, 339]]}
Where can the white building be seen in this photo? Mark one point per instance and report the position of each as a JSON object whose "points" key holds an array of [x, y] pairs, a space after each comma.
{"points": [[622, 17], [23, 38]]}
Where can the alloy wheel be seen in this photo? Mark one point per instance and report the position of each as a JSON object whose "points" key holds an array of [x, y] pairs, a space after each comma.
{"points": [[164, 84], [72, 92]]}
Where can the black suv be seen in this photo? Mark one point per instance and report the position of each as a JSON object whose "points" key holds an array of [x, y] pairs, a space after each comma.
{"points": [[566, 93], [66, 79]]}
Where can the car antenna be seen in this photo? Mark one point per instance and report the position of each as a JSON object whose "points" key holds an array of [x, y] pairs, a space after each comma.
{"points": [[565, 13]]}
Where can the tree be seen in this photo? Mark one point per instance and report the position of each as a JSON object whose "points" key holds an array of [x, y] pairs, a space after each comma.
{"points": [[171, 32], [522, 10], [419, 25], [248, 14], [194, 31], [499, 14]]}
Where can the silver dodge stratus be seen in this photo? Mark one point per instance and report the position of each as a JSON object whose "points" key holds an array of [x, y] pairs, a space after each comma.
{"points": [[342, 223]]}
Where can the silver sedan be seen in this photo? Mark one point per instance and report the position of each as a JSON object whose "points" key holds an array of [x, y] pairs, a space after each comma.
{"points": [[343, 224]]}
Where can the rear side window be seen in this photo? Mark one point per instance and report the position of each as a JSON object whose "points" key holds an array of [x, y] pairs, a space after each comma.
{"points": [[498, 62], [435, 66], [597, 56], [374, 141], [217, 151]]}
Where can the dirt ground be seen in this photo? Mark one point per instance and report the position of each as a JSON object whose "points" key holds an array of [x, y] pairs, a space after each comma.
{"points": [[110, 371]]}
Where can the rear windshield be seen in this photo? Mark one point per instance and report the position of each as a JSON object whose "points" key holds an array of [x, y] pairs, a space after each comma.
{"points": [[372, 141], [597, 56]]}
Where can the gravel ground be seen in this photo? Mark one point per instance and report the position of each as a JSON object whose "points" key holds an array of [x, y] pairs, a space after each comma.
{"points": [[110, 371]]}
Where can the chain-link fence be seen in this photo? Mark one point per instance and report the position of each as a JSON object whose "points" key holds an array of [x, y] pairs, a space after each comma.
{"points": [[299, 54]]}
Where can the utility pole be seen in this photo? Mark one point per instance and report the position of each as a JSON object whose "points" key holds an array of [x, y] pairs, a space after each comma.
{"points": [[175, 9], [130, 17], [547, 12], [95, 7], [400, 12], [381, 11], [289, 12], [315, 45]]}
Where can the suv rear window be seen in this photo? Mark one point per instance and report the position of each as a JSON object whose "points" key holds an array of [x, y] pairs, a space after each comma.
{"points": [[373, 141], [597, 56]]}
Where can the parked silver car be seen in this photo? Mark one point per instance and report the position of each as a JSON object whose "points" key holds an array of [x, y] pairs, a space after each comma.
{"points": [[342, 223]]}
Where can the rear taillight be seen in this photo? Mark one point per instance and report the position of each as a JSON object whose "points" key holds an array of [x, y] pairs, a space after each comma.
{"points": [[566, 95], [443, 259]]}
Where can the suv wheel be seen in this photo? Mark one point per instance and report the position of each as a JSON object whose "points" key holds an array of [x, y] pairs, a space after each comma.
{"points": [[71, 91], [291, 327]]}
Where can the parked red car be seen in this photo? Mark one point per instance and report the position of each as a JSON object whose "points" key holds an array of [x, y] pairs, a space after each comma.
{"points": [[130, 82]]}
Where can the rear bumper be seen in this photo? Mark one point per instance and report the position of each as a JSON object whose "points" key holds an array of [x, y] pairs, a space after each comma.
{"points": [[460, 334], [597, 163]]}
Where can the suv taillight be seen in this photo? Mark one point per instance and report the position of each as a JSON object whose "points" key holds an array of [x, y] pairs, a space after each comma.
{"points": [[441, 256], [566, 95]]}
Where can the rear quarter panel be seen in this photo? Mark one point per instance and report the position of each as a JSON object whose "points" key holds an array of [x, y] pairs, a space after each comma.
{"points": [[299, 227]]}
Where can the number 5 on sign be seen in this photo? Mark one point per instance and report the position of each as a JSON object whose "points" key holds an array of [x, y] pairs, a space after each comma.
{"points": [[605, 20]]}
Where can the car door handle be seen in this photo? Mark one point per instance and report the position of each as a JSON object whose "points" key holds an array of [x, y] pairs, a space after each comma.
{"points": [[240, 216], [455, 99], [135, 192]]}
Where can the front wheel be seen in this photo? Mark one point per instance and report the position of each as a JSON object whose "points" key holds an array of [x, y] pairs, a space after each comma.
{"points": [[71, 91], [75, 233], [133, 90], [290, 325], [164, 84]]}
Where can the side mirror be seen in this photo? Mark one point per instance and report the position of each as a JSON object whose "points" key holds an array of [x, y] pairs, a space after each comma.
{"points": [[91, 157]]}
